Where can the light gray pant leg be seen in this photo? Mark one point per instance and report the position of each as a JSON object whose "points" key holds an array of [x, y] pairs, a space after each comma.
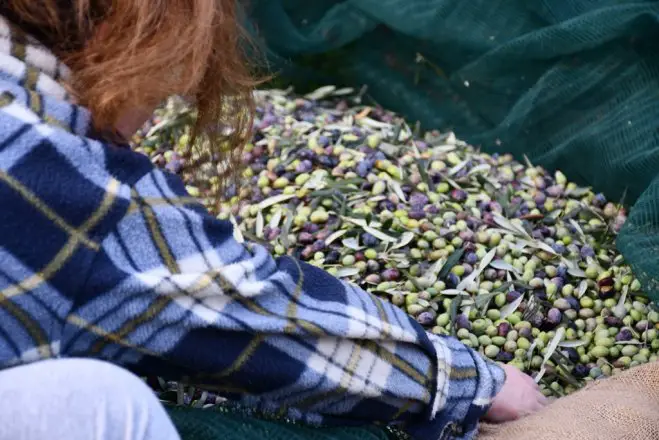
{"points": [[79, 399]]}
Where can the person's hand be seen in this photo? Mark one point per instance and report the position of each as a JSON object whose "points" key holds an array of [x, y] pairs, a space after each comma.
{"points": [[518, 397]]}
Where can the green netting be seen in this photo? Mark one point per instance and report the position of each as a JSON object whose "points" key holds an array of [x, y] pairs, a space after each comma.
{"points": [[572, 84], [198, 424]]}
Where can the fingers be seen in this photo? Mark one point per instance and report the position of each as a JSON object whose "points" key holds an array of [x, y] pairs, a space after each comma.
{"points": [[531, 382], [542, 400]]}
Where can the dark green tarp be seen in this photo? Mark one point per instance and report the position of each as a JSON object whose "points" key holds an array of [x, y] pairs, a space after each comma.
{"points": [[224, 424], [572, 84]]}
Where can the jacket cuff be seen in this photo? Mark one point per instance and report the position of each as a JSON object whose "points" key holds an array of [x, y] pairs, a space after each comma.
{"points": [[466, 383]]}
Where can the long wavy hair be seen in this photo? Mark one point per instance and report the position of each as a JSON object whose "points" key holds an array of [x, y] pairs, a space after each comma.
{"points": [[147, 51]]}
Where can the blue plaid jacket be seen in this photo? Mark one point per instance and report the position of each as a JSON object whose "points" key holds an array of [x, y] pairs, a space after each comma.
{"points": [[103, 256]]}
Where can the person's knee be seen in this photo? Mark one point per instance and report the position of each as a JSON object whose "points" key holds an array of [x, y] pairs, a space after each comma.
{"points": [[84, 398]]}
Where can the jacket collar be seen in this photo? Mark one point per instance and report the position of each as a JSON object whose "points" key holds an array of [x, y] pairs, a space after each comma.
{"points": [[32, 74]]}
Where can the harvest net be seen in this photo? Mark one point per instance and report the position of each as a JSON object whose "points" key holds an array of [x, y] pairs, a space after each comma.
{"points": [[572, 84]]}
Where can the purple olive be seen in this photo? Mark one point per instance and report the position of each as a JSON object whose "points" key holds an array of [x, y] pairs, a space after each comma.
{"points": [[461, 321], [369, 240], [504, 356], [554, 191], [613, 321], [452, 280], [471, 258], [318, 245], [554, 315], [458, 195], [512, 296], [624, 335], [587, 251], [418, 199], [503, 329], [526, 332], [581, 371], [574, 303], [305, 238], [332, 257], [425, 318], [390, 274]]}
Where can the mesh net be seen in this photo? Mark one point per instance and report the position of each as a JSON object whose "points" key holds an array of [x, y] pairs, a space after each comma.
{"points": [[571, 84], [239, 424]]}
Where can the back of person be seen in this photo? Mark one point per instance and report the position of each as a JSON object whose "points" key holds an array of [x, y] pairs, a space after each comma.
{"points": [[105, 257]]}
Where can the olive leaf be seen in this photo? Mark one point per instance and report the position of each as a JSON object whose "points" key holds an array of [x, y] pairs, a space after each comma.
{"points": [[347, 272], [502, 265], [510, 308], [274, 200], [352, 243], [259, 224], [551, 348], [573, 344], [276, 219], [237, 235], [451, 261], [453, 313], [335, 235], [405, 239], [320, 93]]}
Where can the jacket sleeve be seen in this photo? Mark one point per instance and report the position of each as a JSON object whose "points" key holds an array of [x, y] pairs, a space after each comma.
{"points": [[172, 293]]}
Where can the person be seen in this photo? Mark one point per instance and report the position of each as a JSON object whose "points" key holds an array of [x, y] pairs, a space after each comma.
{"points": [[109, 269]]}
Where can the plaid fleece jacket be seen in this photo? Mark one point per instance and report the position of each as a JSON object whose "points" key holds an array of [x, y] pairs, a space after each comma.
{"points": [[104, 256]]}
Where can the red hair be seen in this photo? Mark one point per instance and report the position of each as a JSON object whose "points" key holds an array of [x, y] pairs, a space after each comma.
{"points": [[148, 50]]}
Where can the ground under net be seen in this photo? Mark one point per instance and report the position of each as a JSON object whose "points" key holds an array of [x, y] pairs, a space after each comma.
{"points": [[571, 84]]}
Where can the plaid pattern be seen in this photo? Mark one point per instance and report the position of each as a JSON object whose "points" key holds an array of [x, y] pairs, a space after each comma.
{"points": [[104, 256]]}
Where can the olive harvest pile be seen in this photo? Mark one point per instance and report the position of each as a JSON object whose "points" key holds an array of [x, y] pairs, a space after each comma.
{"points": [[515, 262]]}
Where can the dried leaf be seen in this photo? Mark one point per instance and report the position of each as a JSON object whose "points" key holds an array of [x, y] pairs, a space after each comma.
{"points": [[509, 226], [286, 229], [432, 274], [351, 243], [487, 259], [276, 219], [237, 235], [619, 311], [373, 123], [344, 91], [405, 239], [422, 166], [572, 344], [553, 344], [381, 235], [583, 286], [577, 228], [509, 309], [456, 169], [453, 292], [478, 168], [202, 400], [274, 200], [529, 352], [632, 342], [396, 188], [502, 265], [544, 247], [573, 269], [335, 235], [259, 224], [320, 93], [551, 348], [347, 272], [466, 282], [578, 192]]}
